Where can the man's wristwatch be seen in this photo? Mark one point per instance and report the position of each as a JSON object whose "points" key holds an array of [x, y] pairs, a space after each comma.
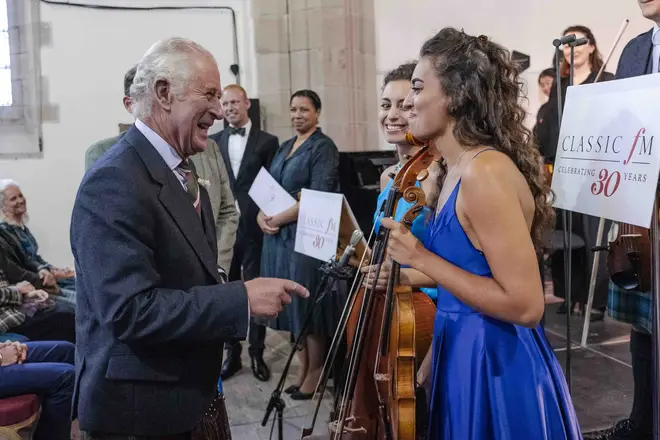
{"points": [[1, 360]]}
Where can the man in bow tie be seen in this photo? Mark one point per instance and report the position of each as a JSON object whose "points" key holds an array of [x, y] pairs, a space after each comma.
{"points": [[245, 148]]}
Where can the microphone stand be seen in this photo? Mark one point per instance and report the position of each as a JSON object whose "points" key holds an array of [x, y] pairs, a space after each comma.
{"points": [[567, 216], [332, 272]]}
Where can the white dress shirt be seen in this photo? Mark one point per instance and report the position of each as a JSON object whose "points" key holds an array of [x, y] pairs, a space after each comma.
{"points": [[236, 148], [169, 154], [656, 47]]}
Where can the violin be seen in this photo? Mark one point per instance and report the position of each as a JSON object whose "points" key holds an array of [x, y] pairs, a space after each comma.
{"points": [[629, 258], [376, 393], [548, 170]]}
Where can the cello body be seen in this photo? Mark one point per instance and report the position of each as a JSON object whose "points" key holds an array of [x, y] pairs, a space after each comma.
{"points": [[412, 331], [629, 258]]}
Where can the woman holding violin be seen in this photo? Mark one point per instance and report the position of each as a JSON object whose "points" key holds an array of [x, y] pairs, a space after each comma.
{"points": [[492, 372], [393, 118]]}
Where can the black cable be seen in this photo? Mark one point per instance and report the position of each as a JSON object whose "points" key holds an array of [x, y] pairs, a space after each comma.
{"points": [[234, 67]]}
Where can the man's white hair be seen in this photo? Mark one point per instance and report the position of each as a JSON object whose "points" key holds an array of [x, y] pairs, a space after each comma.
{"points": [[167, 60]]}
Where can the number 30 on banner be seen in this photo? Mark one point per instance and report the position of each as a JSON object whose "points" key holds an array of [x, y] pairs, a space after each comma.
{"points": [[318, 242], [607, 183]]}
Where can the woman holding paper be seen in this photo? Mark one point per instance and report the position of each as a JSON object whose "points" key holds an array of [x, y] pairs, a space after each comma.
{"points": [[308, 160]]}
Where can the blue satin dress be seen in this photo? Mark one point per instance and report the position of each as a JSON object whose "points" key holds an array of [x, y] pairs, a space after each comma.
{"points": [[492, 380], [418, 228]]}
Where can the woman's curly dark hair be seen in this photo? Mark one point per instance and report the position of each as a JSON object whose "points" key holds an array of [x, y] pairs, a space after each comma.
{"points": [[484, 87]]}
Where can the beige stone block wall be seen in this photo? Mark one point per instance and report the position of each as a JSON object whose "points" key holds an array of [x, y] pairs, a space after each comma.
{"points": [[327, 46]]}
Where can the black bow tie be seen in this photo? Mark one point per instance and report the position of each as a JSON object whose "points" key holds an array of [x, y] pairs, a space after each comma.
{"points": [[234, 130]]}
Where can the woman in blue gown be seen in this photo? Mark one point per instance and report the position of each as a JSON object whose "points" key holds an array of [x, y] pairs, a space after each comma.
{"points": [[493, 374]]}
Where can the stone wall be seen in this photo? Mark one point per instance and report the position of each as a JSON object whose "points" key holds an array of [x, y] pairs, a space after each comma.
{"points": [[327, 46]]}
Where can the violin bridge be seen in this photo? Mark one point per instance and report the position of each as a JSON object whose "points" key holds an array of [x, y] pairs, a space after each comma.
{"points": [[334, 425], [382, 377]]}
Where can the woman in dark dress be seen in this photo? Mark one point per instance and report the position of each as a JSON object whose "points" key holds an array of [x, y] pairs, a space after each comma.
{"points": [[308, 160], [587, 63]]}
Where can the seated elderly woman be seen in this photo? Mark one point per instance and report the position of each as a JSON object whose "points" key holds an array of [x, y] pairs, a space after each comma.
{"points": [[20, 246], [27, 311]]}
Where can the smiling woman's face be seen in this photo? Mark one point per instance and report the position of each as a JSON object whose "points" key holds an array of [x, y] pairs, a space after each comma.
{"points": [[14, 205], [392, 114]]}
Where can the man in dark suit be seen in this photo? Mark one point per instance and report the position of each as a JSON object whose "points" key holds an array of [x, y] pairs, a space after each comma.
{"points": [[153, 310], [641, 56], [245, 148]]}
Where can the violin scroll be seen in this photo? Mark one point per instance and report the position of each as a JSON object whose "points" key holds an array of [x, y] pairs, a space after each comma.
{"points": [[412, 140]]}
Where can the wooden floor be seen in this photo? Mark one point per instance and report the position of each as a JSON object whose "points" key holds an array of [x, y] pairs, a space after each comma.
{"points": [[247, 398]]}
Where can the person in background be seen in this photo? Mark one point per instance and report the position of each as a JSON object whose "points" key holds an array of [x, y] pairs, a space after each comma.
{"points": [[13, 221], [308, 160], [587, 63], [245, 149], [546, 80], [639, 57], [97, 149], [15, 246], [46, 369], [27, 310], [212, 173]]}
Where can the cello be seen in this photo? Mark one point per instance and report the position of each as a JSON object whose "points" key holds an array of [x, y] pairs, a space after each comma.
{"points": [[629, 257], [377, 397]]}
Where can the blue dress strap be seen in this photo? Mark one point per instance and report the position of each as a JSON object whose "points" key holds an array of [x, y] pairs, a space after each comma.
{"points": [[485, 149]]}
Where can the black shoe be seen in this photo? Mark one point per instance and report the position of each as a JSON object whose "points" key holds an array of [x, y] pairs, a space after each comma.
{"points": [[259, 368], [298, 395], [292, 389], [232, 364], [622, 430], [597, 315]]}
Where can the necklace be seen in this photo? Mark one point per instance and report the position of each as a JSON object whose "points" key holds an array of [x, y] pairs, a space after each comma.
{"points": [[449, 174]]}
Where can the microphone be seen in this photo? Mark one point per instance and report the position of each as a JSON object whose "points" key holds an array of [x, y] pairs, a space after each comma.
{"points": [[356, 236], [580, 42], [564, 40]]}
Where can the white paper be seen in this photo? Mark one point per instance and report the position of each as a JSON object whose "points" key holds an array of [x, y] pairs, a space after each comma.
{"points": [[269, 196], [605, 164], [317, 232]]}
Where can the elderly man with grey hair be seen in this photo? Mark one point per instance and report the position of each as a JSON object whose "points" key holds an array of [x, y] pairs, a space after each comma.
{"points": [[153, 309]]}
